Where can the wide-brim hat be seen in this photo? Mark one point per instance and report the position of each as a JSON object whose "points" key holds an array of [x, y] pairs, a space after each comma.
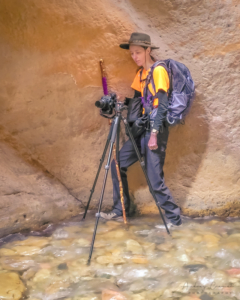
{"points": [[139, 39]]}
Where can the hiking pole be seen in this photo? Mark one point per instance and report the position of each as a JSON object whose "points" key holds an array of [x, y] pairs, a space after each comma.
{"points": [[113, 137], [104, 77], [120, 183], [142, 163], [99, 169]]}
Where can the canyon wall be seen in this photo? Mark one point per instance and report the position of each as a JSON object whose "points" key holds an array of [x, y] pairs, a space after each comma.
{"points": [[50, 80]]}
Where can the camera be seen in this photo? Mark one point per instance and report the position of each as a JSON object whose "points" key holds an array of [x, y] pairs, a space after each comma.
{"points": [[107, 103]]}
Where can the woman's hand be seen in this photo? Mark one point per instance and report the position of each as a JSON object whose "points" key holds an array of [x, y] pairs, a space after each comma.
{"points": [[152, 143]]}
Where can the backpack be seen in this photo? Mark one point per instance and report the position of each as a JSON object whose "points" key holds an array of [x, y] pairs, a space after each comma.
{"points": [[180, 94]]}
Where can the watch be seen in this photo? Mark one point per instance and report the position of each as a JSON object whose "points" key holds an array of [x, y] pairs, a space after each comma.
{"points": [[154, 131]]}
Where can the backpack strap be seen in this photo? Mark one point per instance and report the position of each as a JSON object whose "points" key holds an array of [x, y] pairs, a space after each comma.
{"points": [[163, 64]]}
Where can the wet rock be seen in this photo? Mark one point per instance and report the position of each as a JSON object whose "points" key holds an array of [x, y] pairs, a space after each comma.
{"points": [[11, 287], [26, 250], [139, 259], [89, 297], [39, 242], [235, 263], [113, 224], [115, 234], [58, 286], [112, 295], [134, 247], [230, 245], [110, 259], [83, 242], [42, 275], [234, 271], [29, 274], [165, 246], [62, 266], [149, 248], [138, 297], [63, 243], [60, 233], [16, 263], [197, 239], [7, 252], [195, 267], [193, 297], [211, 238]]}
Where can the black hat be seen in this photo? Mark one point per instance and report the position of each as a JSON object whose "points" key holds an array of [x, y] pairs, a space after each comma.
{"points": [[139, 39]]}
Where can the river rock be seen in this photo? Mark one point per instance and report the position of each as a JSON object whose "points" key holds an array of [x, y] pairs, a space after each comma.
{"points": [[112, 295], [110, 259], [149, 248], [138, 297], [211, 238], [139, 259], [165, 246], [231, 245], [11, 287], [56, 286], [197, 239], [39, 242], [89, 297], [63, 243], [42, 275], [7, 252], [193, 297], [134, 247], [234, 272], [26, 250], [115, 234], [16, 263], [29, 274]]}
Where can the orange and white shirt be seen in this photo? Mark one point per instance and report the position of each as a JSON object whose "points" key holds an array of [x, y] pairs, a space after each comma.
{"points": [[160, 78]]}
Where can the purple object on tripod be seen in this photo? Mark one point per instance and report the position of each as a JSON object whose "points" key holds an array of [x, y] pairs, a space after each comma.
{"points": [[104, 77], [104, 84]]}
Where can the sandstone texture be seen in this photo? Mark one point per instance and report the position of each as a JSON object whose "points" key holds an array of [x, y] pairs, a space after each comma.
{"points": [[52, 136]]}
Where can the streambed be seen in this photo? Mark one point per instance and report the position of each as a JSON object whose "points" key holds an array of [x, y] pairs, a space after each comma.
{"points": [[200, 260]]}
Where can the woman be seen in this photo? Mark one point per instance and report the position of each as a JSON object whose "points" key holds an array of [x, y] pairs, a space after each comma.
{"points": [[154, 142]]}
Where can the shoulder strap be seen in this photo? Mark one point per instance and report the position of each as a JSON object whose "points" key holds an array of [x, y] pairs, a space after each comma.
{"points": [[156, 64]]}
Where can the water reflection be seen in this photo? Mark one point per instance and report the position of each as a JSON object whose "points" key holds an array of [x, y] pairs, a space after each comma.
{"points": [[200, 260]]}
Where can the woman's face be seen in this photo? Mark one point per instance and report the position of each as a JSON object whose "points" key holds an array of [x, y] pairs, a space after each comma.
{"points": [[138, 54]]}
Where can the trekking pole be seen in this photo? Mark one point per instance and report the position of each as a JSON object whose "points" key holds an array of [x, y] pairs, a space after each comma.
{"points": [[120, 184], [104, 77]]}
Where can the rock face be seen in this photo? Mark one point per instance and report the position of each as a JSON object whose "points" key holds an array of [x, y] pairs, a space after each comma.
{"points": [[30, 197], [50, 80]]}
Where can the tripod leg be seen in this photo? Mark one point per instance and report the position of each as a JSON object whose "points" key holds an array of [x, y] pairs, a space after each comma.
{"points": [[99, 169], [113, 137], [144, 170]]}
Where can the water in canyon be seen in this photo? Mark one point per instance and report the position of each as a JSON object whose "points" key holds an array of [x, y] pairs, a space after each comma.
{"points": [[199, 260]]}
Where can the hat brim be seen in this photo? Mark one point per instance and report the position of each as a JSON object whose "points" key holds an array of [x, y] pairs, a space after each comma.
{"points": [[126, 45]]}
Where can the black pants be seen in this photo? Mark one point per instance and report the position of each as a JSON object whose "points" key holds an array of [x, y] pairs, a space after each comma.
{"points": [[154, 161]]}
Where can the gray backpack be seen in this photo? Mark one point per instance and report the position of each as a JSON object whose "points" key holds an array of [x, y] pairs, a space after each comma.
{"points": [[180, 94]]}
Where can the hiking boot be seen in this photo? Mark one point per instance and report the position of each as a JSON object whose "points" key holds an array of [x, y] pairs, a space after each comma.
{"points": [[173, 226], [169, 225], [110, 216]]}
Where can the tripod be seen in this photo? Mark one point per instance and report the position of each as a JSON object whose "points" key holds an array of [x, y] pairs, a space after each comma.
{"points": [[112, 138]]}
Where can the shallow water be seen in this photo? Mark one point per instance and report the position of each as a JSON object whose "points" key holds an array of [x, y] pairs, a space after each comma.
{"points": [[200, 260]]}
